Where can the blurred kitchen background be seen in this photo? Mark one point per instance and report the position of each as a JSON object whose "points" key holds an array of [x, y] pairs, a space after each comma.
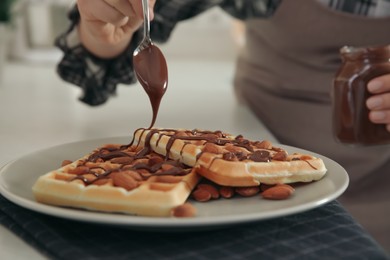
{"points": [[38, 109], [28, 29]]}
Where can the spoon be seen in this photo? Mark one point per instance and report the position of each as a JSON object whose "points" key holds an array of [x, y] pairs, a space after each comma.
{"points": [[150, 66]]}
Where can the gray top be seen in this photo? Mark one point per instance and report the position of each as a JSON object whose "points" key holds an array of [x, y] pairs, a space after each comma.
{"points": [[285, 75]]}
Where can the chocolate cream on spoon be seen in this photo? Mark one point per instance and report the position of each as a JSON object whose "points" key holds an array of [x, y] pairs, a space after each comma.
{"points": [[150, 67]]}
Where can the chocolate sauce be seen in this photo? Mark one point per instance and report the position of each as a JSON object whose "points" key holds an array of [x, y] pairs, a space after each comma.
{"points": [[154, 167], [152, 72], [260, 156], [216, 137], [351, 123]]}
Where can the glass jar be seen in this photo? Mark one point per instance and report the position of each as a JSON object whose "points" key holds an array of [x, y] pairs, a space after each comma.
{"points": [[351, 124]]}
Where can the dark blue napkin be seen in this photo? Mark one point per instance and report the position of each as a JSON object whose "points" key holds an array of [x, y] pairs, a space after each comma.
{"points": [[327, 232]]}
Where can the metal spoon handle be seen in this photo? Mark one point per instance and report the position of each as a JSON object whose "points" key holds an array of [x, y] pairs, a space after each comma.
{"points": [[145, 7]]}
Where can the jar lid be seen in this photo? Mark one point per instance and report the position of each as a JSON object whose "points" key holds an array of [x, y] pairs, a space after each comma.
{"points": [[377, 52]]}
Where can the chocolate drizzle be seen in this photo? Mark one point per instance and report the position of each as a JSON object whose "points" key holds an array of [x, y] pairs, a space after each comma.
{"points": [[133, 152], [152, 72], [141, 157], [215, 137]]}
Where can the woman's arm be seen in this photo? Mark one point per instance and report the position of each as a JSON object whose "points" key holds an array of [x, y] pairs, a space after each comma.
{"points": [[99, 44], [97, 70]]}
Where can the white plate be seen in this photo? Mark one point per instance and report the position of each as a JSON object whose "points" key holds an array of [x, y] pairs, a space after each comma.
{"points": [[17, 178]]}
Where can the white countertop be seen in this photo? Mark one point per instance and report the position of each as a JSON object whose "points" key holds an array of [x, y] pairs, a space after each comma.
{"points": [[38, 110]]}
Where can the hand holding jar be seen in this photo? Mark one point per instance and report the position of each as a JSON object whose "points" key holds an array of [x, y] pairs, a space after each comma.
{"points": [[361, 96], [379, 103]]}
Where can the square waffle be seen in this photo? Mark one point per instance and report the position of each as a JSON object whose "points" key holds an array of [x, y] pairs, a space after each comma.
{"points": [[114, 178]]}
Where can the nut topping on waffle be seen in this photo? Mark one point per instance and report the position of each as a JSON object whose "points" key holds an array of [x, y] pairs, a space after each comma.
{"points": [[116, 178], [232, 160]]}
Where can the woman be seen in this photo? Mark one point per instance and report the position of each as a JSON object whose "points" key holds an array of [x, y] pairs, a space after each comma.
{"points": [[283, 74]]}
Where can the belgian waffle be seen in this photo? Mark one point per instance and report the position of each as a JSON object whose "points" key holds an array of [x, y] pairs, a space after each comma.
{"points": [[232, 160], [114, 178]]}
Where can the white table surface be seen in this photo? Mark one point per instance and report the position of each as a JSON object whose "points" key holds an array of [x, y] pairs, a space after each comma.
{"points": [[38, 110]]}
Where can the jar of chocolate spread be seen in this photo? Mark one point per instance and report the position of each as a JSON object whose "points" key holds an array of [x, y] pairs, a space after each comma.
{"points": [[351, 124]]}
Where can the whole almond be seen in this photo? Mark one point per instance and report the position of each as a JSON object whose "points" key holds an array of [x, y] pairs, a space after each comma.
{"points": [[291, 188], [89, 177], [79, 170], [155, 160], [184, 211], [64, 177], [234, 149], [122, 160], [201, 195], [211, 189], [210, 136], [226, 192], [65, 162], [278, 192], [168, 179], [264, 145], [248, 191], [121, 179], [136, 176], [103, 181], [280, 156], [212, 148], [166, 167], [181, 134], [111, 146]]}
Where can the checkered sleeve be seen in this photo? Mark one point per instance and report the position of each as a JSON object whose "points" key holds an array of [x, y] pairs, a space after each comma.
{"points": [[169, 12], [98, 78]]}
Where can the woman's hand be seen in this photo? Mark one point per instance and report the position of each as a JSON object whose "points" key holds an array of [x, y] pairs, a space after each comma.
{"points": [[379, 103], [107, 26]]}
